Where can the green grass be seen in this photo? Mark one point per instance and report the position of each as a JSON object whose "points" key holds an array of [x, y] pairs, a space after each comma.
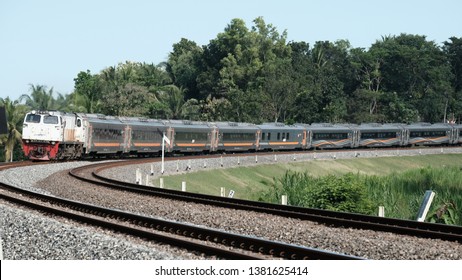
{"points": [[249, 182]]}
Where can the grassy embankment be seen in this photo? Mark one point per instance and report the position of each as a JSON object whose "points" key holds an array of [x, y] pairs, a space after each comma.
{"points": [[398, 183], [249, 182]]}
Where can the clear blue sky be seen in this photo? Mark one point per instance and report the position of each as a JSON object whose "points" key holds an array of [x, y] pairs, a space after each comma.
{"points": [[48, 42]]}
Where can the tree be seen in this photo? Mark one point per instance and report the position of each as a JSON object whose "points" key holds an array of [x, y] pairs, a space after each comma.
{"points": [[174, 99], [39, 98], [183, 66], [15, 113], [127, 100], [364, 103], [417, 70], [453, 51], [87, 89]]}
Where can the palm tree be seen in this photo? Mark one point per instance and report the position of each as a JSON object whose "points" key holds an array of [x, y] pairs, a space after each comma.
{"points": [[39, 98], [174, 98], [15, 116]]}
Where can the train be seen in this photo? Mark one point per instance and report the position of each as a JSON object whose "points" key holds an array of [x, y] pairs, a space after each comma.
{"points": [[56, 135]]}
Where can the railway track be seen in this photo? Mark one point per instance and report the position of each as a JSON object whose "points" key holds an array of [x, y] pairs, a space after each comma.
{"points": [[15, 164], [227, 221], [207, 241], [338, 219]]}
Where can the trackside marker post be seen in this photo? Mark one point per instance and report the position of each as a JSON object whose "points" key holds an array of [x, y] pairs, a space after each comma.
{"points": [[1, 250], [231, 194], [147, 180], [381, 211], [164, 140], [284, 200], [425, 206]]}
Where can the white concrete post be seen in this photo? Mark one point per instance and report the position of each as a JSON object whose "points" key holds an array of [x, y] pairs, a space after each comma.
{"points": [[1, 250], [238, 161], [161, 183], [152, 169], [138, 179], [177, 165], [256, 159], [163, 149], [284, 199], [425, 206], [221, 161], [275, 158], [147, 180], [222, 192], [183, 186], [381, 211]]}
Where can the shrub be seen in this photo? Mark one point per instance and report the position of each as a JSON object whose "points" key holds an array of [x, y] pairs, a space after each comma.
{"points": [[346, 193]]}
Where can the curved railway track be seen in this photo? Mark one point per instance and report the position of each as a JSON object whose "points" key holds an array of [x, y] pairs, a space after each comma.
{"points": [[230, 246], [93, 176], [339, 219]]}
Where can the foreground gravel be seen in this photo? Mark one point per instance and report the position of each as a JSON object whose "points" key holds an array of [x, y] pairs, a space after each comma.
{"points": [[28, 235], [363, 243]]}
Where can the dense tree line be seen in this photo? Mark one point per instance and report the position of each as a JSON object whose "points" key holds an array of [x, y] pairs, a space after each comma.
{"points": [[255, 75]]}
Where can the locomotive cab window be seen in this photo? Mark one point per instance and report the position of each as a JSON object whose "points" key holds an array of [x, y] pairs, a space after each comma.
{"points": [[50, 120], [33, 118]]}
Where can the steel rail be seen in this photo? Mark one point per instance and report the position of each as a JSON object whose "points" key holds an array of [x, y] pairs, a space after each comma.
{"points": [[140, 226], [400, 226]]}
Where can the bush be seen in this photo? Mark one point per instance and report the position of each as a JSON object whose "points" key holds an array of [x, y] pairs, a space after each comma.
{"points": [[346, 193]]}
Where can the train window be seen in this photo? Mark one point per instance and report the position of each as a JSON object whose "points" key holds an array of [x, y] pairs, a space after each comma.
{"points": [[269, 135], [107, 134], [329, 136], [287, 136], [33, 118], [79, 122], [50, 119], [189, 136], [143, 135], [437, 133], [279, 136], [378, 135], [236, 137], [263, 136]]}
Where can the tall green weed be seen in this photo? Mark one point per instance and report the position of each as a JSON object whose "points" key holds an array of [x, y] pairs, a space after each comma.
{"points": [[400, 193]]}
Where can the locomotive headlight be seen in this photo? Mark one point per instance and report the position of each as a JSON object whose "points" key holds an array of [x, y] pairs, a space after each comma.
{"points": [[52, 142], [27, 141]]}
